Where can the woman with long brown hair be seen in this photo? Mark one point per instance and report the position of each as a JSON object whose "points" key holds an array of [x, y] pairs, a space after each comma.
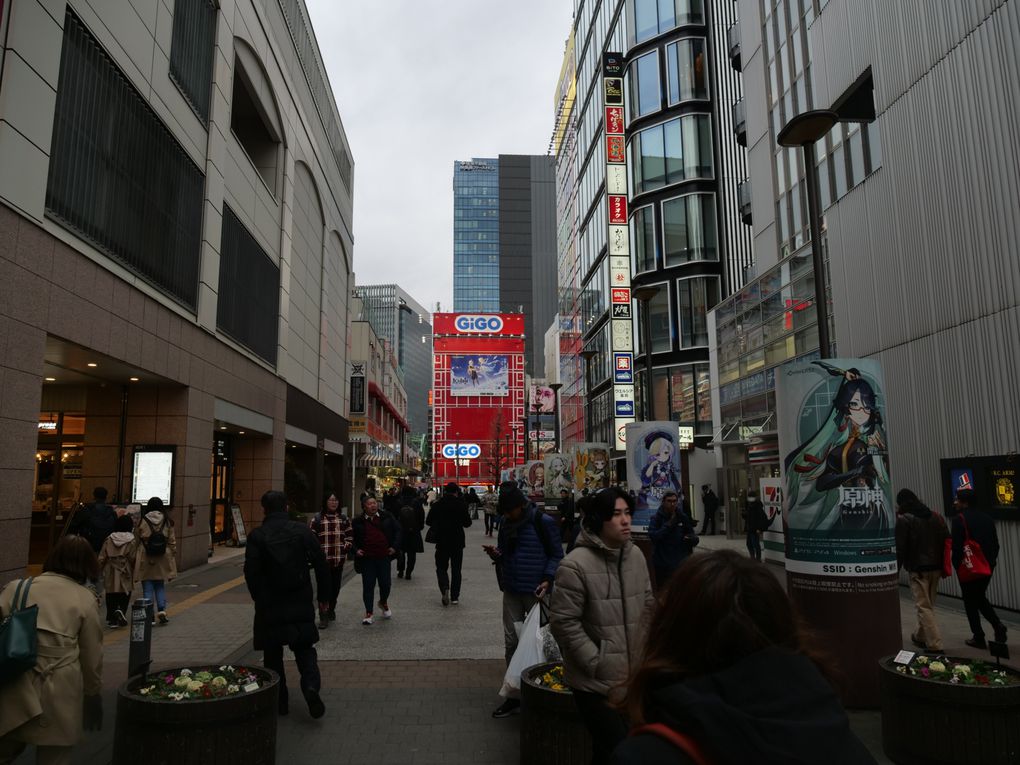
{"points": [[730, 677]]}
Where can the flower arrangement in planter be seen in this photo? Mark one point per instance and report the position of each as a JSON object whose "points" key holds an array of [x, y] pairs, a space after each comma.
{"points": [[957, 671], [205, 683], [553, 679]]}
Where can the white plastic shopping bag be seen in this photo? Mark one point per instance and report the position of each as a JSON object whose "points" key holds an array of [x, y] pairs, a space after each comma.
{"points": [[530, 651]]}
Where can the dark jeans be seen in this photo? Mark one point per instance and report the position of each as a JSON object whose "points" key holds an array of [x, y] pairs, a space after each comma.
{"points": [[490, 523], [976, 605], [606, 726], [709, 520], [754, 544], [117, 601], [406, 561], [335, 578], [447, 558], [375, 570], [307, 664]]}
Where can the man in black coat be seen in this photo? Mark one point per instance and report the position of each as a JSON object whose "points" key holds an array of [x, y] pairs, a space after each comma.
{"points": [[276, 563], [448, 518], [411, 517], [971, 522], [710, 503], [95, 521]]}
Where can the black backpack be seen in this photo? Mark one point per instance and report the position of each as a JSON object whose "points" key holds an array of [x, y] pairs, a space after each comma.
{"points": [[408, 518], [155, 545]]}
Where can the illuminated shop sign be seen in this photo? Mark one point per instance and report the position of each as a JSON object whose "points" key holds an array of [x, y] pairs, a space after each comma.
{"points": [[478, 323], [462, 451]]}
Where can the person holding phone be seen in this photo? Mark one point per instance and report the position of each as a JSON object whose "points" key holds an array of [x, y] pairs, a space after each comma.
{"points": [[526, 556]]}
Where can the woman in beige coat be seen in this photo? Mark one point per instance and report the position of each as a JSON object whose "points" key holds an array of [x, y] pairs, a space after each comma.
{"points": [[117, 560], [151, 569], [45, 706], [601, 603]]}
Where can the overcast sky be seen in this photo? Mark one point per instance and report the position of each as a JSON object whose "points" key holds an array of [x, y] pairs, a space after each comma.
{"points": [[420, 84]]}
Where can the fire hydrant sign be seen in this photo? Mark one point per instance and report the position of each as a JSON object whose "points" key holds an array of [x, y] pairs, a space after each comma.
{"points": [[621, 336]]}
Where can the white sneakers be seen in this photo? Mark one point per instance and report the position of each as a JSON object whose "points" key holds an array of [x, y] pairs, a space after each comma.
{"points": [[387, 614], [367, 620]]}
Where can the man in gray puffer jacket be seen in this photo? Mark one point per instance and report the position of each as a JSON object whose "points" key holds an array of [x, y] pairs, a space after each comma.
{"points": [[600, 607]]}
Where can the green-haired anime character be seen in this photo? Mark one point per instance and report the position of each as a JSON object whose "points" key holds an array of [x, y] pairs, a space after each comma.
{"points": [[839, 477]]}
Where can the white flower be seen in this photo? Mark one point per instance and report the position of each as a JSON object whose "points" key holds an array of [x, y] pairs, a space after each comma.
{"points": [[954, 679], [145, 691], [233, 689], [218, 682], [961, 669], [186, 673], [921, 660], [938, 666], [177, 696], [226, 668]]}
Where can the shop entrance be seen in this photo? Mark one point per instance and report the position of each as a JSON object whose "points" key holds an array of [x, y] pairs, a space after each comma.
{"points": [[739, 476], [221, 524], [56, 494]]}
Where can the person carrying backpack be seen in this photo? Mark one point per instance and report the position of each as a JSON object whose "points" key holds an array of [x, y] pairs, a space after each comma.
{"points": [[411, 517], [277, 558], [95, 520], [156, 557], [447, 520]]}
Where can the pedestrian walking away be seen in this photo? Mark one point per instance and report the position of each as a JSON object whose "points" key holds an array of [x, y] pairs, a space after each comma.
{"points": [[972, 525], [411, 517], [376, 541], [155, 556], [729, 676], [526, 555], [598, 613], [490, 502], [95, 520], [117, 561], [277, 560], [474, 502], [447, 519], [567, 513], [336, 539], [710, 504], [756, 521], [673, 538], [920, 549]]}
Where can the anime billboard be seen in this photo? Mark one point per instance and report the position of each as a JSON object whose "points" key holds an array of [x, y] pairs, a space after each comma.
{"points": [[534, 480], [591, 467], [479, 376], [839, 514], [559, 475], [653, 467]]}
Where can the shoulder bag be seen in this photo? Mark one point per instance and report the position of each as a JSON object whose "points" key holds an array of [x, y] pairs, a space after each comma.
{"points": [[974, 565], [18, 643]]}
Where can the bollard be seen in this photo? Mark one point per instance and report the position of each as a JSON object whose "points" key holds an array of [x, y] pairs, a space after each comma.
{"points": [[140, 648]]}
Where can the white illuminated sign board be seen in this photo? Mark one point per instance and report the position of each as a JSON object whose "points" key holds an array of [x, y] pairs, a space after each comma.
{"points": [[152, 475]]}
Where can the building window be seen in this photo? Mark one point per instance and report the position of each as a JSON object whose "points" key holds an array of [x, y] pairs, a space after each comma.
{"points": [[248, 305], [696, 297], [191, 52], [643, 85], [689, 229], [661, 321], [648, 18], [674, 151], [117, 176], [686, 72], [643, 231], [252, 126]]}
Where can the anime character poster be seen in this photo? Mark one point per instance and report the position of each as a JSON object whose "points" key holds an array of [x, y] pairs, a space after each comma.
{"points": [[559, 475], [534, 480], [520, 474], [479, 376], [591, 467], [653, 467], [839, 515]]}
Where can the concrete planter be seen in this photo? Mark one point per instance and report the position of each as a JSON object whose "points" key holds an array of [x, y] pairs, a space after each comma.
{"points": [[929, 722], [235, 729], [551, 729]]}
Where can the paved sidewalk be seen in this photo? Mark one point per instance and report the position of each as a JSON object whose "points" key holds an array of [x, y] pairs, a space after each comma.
{"points": [[418, 688]]}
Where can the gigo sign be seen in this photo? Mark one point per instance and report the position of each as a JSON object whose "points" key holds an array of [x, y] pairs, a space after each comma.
{"points": [[462, 451], [478, 323]]}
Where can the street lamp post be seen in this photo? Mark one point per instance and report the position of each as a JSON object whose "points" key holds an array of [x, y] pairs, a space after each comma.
{"points": [[644, 295], [805, 130], [556, 413], [456, 458]]}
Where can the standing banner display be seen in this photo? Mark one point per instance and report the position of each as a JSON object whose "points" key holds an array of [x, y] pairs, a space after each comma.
{"points": [[534, 480], [653, 467], [839, 516], [771, 492], [559, 475], [591, 467]]}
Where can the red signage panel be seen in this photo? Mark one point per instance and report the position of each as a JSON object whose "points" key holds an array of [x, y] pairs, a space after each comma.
{"points": [[617, 209], [478, 324], [614, 120], [621, 295], [616, 150]]}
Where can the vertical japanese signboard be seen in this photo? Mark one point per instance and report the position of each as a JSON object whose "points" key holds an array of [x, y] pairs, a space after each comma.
{"points": [[621, 337]]}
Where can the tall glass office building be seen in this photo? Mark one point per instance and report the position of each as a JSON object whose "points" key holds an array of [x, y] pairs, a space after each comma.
{"points": [[476, 235]]}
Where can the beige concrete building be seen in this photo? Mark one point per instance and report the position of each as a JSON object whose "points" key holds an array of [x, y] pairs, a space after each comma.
{"points": [[175, 264]]}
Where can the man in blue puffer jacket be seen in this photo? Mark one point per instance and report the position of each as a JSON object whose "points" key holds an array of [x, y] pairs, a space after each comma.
{"points": [[526, 555]]}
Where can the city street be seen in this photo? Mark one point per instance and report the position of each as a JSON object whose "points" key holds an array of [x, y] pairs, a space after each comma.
{"points": [[418, 688]]}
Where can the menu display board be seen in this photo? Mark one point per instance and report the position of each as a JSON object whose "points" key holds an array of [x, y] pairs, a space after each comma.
{"points": [[152, 473]]}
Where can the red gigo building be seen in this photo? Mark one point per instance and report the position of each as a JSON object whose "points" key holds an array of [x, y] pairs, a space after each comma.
{"points": [[478, 395]]}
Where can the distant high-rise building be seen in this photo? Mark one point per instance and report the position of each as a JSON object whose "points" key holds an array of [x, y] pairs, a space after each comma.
{"points": [[504, 243], [398, 318]]}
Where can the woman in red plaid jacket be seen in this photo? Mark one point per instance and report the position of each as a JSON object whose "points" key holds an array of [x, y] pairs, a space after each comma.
{"points": [[334, 532]]}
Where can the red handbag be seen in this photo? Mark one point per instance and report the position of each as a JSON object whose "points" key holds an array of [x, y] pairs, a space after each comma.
{"points": [[974, 565]]}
